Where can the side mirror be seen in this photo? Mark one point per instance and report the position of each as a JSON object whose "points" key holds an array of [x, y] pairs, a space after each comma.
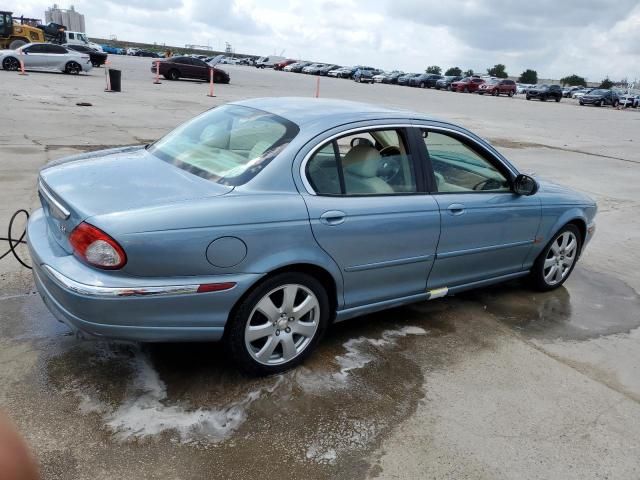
{"points": [[525, 185]]}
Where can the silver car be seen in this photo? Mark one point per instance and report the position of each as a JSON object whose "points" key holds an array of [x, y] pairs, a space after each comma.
{"points": [[46, 56]]}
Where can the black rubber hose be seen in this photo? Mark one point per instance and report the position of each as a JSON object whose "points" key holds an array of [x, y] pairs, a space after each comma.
{"points": [[13, 242]]}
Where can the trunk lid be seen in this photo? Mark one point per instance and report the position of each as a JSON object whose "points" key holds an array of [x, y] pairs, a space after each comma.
{"points": [[113, 181]]}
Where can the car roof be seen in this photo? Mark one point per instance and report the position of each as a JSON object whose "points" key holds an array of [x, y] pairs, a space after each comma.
{"points": [[303, 111]]}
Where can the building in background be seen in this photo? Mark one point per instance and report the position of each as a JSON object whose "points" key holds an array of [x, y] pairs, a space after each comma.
{"points": [[71, 19]]}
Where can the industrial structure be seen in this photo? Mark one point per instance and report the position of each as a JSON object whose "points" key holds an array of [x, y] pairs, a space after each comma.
{"points": [[73, 20]]}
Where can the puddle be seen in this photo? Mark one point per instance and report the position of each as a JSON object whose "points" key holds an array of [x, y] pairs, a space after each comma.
{"points": [[589, 305]]}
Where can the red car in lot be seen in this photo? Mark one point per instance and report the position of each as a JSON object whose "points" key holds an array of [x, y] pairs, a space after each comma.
{"points": [[284, 63], [175, 68], [467, 84], [497, 87]]}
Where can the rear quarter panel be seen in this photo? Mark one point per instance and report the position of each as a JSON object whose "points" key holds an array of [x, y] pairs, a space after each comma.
{"points": [[173, 240]]}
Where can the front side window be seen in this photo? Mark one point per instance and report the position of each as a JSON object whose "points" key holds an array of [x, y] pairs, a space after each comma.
{"points": [[458, 168], [375, 162], [228, 145]]}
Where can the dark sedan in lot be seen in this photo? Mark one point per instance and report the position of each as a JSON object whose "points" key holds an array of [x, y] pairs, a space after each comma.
{"points": [[392, 77], [426, 80], [445, 82], [545, 92], [175, 68], [600, 97], [364, 75], [97, 58], [324, 71], [406, 79]]}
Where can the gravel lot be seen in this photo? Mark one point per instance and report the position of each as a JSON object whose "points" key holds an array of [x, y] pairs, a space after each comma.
{"points": [[496, 383]]}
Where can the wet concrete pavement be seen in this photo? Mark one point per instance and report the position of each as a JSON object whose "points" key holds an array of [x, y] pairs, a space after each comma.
{"points": [[109, 410], [497, 383]]}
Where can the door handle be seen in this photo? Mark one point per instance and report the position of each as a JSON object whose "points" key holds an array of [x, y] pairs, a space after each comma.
{"points": [[333, 217], [456, 209]]}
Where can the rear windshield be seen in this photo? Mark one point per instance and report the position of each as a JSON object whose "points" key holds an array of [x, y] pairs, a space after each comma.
{"points": [[228, 145]]}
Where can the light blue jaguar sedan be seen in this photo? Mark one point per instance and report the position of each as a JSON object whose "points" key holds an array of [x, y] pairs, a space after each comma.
{"points": [[261, 222]]}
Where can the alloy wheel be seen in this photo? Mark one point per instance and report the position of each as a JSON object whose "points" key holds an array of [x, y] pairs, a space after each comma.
{"points": [[282, 324], [560, 258], [11, 64]]}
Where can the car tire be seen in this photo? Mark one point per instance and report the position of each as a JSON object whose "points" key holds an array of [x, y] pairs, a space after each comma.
{"points": [[558, 99], [510, 93], [543, 98], [528, 97], [581, 102], [72, 68], [599, 103], [422, 85], [11, 63], [558, 259], [17, 43], [280, 340], [466, 90], [449, 87], [174, 74], [615, 104]]}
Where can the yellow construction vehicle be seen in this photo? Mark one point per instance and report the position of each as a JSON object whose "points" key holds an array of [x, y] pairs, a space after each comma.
{"points": [[16, 32]]}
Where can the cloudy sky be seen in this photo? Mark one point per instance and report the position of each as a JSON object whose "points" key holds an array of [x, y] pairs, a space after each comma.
{"points": [[592, 38]]}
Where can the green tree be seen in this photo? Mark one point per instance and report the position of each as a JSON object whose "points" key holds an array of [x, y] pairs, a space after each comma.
{"points": [[453, 72], [435, 69], [573, 80], [498, 70], [469, 73], [606, 83], [529, 76]]}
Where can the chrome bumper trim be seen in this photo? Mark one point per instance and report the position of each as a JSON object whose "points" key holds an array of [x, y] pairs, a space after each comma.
{"points": [[117, 292], [57, 209]]}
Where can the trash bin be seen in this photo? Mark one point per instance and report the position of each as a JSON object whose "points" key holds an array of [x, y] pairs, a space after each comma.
{"points": [[115, 77]]}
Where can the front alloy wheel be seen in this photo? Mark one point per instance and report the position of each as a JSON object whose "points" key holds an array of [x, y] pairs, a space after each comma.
{"points": [[555, 263], [277, 326]]}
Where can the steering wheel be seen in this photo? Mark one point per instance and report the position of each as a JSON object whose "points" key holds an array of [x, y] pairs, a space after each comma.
{"points": [[389, 167], [492, 183]]}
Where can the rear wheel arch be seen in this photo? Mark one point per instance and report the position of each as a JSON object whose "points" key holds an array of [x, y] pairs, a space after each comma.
{"points": [[319, 273]]}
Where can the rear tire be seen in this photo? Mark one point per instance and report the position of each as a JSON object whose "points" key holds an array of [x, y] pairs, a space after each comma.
{"points": [[174, 74], [279, 339], [558, 99], [558, 259], [17, 43], [11, 64], [510, 93]]}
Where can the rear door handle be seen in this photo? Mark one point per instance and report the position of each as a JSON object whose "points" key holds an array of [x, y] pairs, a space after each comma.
{"points": [[455, 209], [333, 217]]}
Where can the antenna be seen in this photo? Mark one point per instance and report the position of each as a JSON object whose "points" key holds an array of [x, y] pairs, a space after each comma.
{"points": [[282, 52]]}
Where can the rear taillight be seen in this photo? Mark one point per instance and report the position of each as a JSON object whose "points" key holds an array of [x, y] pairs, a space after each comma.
{"points": [[96, 248]]}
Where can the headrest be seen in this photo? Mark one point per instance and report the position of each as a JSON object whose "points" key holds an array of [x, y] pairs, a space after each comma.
{"points": [[362, 160]]}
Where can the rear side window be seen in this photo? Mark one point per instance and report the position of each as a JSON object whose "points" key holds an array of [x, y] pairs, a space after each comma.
{"points": [[56, 49], [72, 36], [375, 162]]}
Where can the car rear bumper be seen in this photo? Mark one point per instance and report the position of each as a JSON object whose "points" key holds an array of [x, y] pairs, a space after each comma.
{"points": [[117, 306]]}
